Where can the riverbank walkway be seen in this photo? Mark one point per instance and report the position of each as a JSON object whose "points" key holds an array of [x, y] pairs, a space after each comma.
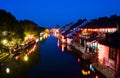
{"points": [[106, 71]]}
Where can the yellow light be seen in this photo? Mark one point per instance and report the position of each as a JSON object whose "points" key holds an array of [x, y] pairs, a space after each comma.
{"points": [[41, 38], [7, 70], [45, 35], [26, 38], [29, 37], [25, 58], [47, 30], [37, 40], [4, 41], [84, 72]]}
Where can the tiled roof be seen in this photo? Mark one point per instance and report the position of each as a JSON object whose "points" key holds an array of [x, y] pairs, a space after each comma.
{"points": [[75, 25], [103, 22], [113, 40]]}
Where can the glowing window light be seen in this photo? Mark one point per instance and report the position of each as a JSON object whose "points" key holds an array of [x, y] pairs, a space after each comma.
{"points": [[89, 29], [46, 30], [45, 35], [95, 30], [103, 53], [109, 30], [106, 29], [7, 70], [114, 29], [57, 30], [100, 54]]}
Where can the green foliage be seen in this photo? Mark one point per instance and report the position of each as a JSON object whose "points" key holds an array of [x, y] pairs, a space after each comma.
{"points": [[15, 31]]}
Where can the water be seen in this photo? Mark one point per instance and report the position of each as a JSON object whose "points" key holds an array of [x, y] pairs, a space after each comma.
{"points": [[49, 61], [54, 63]]}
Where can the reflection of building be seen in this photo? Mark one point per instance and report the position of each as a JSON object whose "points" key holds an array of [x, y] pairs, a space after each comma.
{"points": [[69, 48], [63, 47]]}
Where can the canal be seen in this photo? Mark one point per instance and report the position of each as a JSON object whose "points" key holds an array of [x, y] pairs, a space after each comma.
{"points": [[50, 60], [54, 63]]}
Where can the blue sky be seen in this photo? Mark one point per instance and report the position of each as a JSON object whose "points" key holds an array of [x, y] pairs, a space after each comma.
{"points": [[49, 13]]}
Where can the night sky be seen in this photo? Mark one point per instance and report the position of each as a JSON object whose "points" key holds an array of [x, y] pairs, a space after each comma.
{"points": [[49, 13]]}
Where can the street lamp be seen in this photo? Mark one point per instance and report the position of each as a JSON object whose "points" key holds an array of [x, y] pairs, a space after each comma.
{"points": [[7, 70], [7, 45], [25, 58]]}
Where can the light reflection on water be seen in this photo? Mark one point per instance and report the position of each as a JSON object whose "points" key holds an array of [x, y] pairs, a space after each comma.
{"points": [[19, 65], [52, 60], [86, 70]]}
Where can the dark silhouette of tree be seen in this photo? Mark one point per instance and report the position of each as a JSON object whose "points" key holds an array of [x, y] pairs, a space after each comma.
{"points": [[7, 21], [14, 30]]}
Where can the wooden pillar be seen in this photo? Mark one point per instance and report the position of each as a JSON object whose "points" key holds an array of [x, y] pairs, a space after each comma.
{"points": [[117, 63]]}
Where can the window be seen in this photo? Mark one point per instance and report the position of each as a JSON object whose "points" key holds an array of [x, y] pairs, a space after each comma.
{"points": [[112, 53]]}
